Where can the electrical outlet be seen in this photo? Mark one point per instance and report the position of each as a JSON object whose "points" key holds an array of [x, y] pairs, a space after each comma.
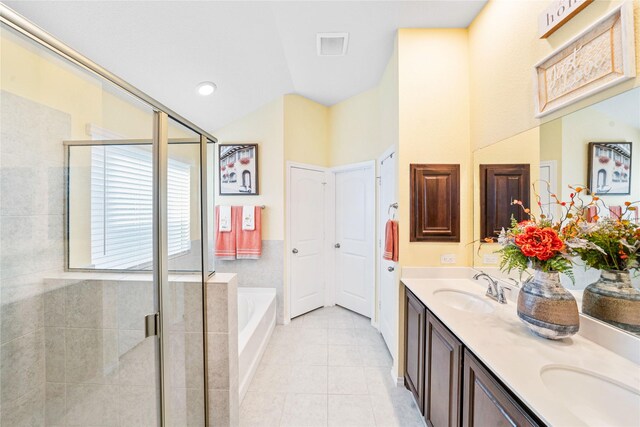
{"points": [[448, 259], [490, 259]]}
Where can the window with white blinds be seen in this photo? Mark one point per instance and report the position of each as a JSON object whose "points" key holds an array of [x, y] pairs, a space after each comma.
{"points": [[122, 203]]}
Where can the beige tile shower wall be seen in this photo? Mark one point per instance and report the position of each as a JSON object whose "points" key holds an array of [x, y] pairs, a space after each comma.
{"points": [[222, 350], [31, 244]]}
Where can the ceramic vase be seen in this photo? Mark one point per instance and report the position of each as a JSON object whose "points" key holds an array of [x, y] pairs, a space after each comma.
{"points": [[547, 308], [614, 300]]}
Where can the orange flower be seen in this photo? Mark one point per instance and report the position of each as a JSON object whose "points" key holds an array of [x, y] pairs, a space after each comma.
{"points": [[541, 243]]}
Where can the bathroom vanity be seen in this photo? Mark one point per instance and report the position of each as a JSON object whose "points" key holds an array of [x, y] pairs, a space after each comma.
{"points": [[470, 361]]}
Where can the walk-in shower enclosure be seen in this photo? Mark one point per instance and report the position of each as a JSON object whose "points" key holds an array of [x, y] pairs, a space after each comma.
{"points": [[106, 203]]}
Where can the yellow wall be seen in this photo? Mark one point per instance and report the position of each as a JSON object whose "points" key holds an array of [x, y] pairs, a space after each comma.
{"points": [[266, 127], [504, 46], [354, 125], [365, 125], [591, 125], [522, 148], [434, 128], [306, 131]]}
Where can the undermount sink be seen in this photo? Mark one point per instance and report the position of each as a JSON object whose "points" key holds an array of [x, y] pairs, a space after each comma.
{"points": [[594, 398], [464, 301]]}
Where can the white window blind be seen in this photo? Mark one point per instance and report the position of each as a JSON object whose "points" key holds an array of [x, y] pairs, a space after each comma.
{"points": [[121, 206]]}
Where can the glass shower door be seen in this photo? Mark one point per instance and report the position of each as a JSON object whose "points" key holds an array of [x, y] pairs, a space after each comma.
{"points": [[110, 223], [76, 240]]}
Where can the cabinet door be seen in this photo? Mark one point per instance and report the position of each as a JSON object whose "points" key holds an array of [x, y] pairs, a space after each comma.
{"points": [[435, 203], [443, 375], [499, 186], [415, 314], [486, 402]]}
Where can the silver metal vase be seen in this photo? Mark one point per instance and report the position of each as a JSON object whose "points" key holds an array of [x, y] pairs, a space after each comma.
{"points": [[547, 308], [614, 300]]}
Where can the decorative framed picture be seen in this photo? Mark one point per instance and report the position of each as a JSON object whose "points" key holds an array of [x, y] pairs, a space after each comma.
{"points": [[600, 57], [238, 169], [610, 168]]}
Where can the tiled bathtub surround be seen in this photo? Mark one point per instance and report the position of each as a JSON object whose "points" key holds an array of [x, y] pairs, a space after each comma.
{"points": [[266, 272], [222, 349]]}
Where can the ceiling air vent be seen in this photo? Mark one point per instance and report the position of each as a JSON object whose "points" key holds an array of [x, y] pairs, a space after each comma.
{"points": [[332, 44]]}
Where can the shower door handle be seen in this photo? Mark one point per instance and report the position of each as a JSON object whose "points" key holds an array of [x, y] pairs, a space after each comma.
{"points": [[151, 324]]}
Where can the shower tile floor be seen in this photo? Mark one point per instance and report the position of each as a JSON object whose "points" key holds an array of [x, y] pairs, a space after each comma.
{"points": [[329, 367]]}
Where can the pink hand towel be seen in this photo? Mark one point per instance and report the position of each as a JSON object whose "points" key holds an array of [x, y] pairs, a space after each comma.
{"points": [[226, 240], [391, 241], [615, 212], [592, 211], [248, 242]]}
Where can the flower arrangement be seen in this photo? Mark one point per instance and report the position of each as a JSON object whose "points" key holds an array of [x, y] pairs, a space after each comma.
{"points": [[534, 243], [606, 244], [245, 160], [230, 165]]}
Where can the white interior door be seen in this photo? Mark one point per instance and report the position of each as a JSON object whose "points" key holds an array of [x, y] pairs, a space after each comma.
{"points": [[307, 261], [548, 173], [354, 237], [388, 290]]}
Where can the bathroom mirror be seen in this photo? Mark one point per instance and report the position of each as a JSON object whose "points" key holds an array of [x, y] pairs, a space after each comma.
{"points": [[570, 150]]}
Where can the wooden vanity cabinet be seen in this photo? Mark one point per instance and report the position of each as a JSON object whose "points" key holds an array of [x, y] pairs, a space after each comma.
{"points": [[415, 313], [443, 375], [486, 401], [451, 387]]}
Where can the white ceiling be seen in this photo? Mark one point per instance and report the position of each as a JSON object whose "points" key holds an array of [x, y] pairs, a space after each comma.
{"points": [[253, 51]]}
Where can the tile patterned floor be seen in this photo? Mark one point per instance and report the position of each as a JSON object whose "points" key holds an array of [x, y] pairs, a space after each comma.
{"points": [[329, 367]]}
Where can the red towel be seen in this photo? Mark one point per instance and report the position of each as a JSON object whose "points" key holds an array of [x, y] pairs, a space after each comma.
{"points": [[226, 240], [248, 242], [615, 212], [391, 241]]}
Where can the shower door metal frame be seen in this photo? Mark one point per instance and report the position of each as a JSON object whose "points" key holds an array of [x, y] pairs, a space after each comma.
{"points": [[160, 158]]}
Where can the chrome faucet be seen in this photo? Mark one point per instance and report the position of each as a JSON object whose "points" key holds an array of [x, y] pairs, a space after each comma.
{"points": [[494, 291]]}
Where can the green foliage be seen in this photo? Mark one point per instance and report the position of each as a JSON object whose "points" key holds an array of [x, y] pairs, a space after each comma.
{"points": [[613, 245]]}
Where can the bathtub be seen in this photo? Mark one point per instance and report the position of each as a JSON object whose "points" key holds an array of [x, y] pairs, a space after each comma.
{"points": [[256, 321]]}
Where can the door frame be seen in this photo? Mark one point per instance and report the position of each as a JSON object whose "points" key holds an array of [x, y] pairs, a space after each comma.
{"points": [[380, 230], [553, 179], [328, 231], [371, 165]]}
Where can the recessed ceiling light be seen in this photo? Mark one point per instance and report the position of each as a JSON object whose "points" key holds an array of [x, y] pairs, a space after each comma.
{"points": [[206, 88]]}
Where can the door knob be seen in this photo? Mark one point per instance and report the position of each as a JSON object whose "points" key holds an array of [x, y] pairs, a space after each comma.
{"points": [[295, 251], [337, 246], [390, 268]]}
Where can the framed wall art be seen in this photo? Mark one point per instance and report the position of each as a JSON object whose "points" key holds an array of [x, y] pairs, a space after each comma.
{"points": [[610, 168], [238, 169], [600, 57]]}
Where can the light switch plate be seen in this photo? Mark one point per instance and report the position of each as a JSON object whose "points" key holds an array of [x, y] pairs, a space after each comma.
{"points": [[448, 259], [490, 259]]}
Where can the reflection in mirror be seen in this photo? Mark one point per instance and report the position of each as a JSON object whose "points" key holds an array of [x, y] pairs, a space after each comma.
{"points": [[596, 147]]}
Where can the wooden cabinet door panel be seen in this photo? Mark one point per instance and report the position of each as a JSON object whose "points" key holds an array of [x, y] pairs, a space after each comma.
{"points": [[486, 402], [499, 186], [443, 375], [435, 203], [415, 314]]}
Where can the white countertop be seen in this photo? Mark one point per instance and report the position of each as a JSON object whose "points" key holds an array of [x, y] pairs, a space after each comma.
{"points": [[516, 356]]}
